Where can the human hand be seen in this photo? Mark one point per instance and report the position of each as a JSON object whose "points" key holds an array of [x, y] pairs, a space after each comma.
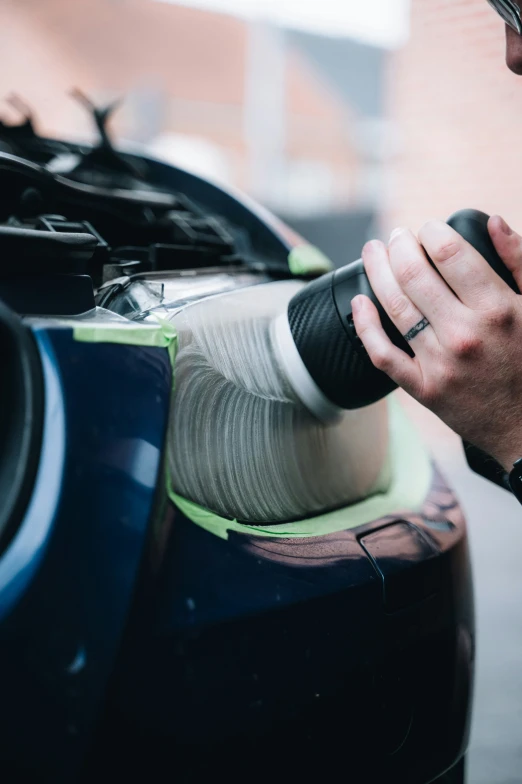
{"points": [[464, 325]]}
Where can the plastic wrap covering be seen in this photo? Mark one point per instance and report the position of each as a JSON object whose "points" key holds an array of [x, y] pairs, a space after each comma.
{"points": [[240, 444], [160, 294]]}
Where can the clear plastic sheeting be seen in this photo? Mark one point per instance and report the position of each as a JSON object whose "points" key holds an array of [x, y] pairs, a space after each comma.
{"points": [[92, 317], [240, 444], [144, 298]]}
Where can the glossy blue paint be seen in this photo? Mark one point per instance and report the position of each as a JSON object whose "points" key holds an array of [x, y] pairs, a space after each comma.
{"points": [[106, 416], [19, 563], [138, 642]]}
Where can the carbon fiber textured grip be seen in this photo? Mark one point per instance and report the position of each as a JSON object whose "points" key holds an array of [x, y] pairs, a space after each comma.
{"points": [[344, 374]]}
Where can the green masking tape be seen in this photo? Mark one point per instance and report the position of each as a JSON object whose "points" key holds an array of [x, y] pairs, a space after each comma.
{"points": [[308, 260], [407, 461], [162, 335], [411, 476]]}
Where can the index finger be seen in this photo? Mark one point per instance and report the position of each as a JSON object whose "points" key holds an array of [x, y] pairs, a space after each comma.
{"points": [[466, 272]]}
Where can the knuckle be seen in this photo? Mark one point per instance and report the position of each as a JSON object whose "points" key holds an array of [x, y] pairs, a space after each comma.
{"points": [[465, 345], [408, 272], [381, 359], [397, 305], [443, 244], [447, 251], [502, 317]]}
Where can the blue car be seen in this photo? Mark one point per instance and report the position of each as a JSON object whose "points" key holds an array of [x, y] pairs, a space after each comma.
{"points": [[184, 594]]}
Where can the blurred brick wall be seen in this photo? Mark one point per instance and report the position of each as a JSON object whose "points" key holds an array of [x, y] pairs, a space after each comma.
{"points": [[181, 70], [458, 114]]}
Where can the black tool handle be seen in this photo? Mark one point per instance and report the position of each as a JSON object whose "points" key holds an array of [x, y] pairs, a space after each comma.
{"points": [[473, 226], [321, 323]]}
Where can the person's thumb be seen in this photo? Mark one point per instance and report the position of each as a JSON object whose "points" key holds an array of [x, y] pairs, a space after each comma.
{"points": [[508, 245]]}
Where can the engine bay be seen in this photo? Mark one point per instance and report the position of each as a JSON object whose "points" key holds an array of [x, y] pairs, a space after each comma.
{"points": [[74, 218]]}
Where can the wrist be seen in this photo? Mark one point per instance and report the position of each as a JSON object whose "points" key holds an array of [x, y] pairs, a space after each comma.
{"points": [[515, 480], [506, 450], [508, 457]]}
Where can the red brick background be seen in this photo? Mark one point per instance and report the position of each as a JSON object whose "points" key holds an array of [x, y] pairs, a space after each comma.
{"points": [[193, 62], [458, 114]]}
